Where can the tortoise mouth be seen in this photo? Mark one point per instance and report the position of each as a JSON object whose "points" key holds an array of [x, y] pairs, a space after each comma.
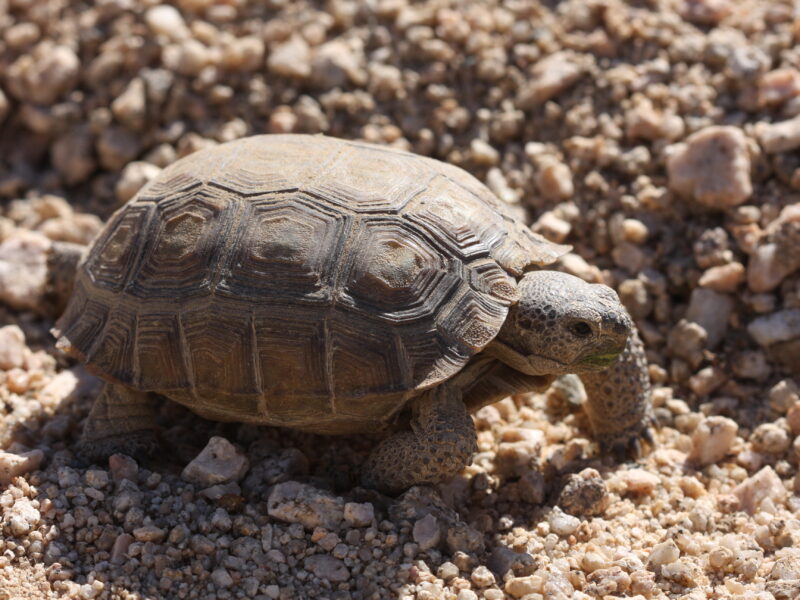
{"points": [[601, 361]]}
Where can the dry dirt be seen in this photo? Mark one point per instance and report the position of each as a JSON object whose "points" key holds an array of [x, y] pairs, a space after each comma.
{"points": [[660, 138]]}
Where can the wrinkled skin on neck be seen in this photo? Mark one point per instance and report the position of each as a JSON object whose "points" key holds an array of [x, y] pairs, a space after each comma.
{"points": [[562, 325]]}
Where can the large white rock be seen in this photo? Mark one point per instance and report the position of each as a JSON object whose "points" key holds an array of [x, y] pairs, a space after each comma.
{"points": [[219, 462]]}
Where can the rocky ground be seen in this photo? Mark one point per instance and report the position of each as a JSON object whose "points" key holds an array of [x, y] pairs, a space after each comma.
{"points": [[660, 138]]}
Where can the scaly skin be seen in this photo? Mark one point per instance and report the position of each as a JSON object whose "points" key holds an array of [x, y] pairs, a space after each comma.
{"points": [[122, 421], [618, 403]]}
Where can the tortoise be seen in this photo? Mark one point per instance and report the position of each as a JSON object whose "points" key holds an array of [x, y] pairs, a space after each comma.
{"points": [[338, 287]]}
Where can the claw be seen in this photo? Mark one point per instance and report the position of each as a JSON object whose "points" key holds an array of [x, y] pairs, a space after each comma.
{"points": [[648, 436], [635, 447], [620, 451]]}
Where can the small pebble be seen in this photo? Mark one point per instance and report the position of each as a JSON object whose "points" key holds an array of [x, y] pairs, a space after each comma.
{"points": [[712, 168], [664, 553], [712, 440], [219, 462], [562, 524], [12, 347]]}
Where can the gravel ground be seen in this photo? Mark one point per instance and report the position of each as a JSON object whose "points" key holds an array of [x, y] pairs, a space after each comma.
{"points": [[660, 138]]}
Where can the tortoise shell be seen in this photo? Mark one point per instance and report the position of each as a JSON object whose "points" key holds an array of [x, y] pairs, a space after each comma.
{"points": [[296, 280]]}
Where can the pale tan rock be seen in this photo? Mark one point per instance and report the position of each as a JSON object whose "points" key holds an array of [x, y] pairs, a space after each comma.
{"points": [[515, 458], [337, 62], [130, 107], [483, 153], [549, 77], [712, 168], [517, 587], [710, 310], [754, 490], [793, 418], [783, 136], [636, 481], [554, 180], [44, 74], [778, 86], [23, 269], [706, 12], [22, 34], [14, 465], [553, 227], [188, 57], [724, 278], [78, 229], [561, 523], [291, 58], [12, 347], [664, 553], [643, 121], [780, 326], [21, 518], [219, 462], [133, 177], [359, 514], [778, 253], [712, 440], [166, 20], [243, 54], [574, 264]]}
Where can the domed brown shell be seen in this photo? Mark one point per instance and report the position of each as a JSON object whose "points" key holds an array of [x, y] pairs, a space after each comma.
{"points": [[298, 280]]}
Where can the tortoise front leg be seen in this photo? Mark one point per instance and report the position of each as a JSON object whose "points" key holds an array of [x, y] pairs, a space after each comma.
{"points": [[122, 421], [441, 441], [619, 405]]}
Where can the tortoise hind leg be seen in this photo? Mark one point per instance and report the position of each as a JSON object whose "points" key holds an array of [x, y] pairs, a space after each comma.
{"points": [[439, 445], [122, 421]]}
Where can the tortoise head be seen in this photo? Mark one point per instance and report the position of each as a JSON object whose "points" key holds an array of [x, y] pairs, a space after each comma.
{"points": [[562, 324]]}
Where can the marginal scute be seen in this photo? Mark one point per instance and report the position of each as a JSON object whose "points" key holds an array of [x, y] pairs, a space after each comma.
{"points": [[290, 349], [112, 352], [363, 361], [300, 281], [84, 319], [160, 353], [219, 347]]}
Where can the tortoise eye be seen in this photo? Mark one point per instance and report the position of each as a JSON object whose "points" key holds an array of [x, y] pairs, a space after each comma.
{"points": [[581, 329]]}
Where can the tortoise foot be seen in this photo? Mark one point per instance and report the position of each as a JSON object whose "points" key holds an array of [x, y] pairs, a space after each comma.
{"points": [[137, 444]]}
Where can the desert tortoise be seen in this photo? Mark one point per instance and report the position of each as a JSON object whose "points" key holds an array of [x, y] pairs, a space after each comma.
{"points": [[338, 287]]}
